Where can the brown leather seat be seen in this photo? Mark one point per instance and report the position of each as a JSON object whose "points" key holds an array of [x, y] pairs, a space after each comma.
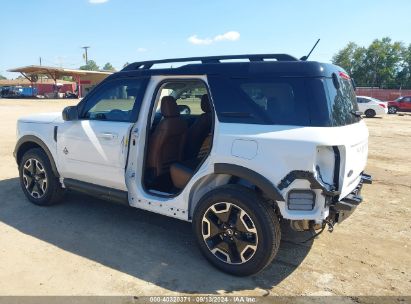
{"points": [[181, 172], [167, 141], [199, 130]]}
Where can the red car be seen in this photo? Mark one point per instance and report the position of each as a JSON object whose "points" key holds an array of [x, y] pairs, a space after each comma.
{"points": [[400, 104]]}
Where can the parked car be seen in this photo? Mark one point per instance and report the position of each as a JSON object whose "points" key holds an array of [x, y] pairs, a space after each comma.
{"points": [[400, 104], [268, 141], [371, 106], [10, 92]]}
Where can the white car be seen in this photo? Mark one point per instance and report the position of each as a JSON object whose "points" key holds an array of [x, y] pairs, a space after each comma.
{"points": [[371, 106], [233, 147]]}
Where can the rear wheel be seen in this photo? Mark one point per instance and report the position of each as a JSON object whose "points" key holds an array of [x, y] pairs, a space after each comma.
{"points": [[392, 110], [370, 113], [236, 230], [37, 179]]}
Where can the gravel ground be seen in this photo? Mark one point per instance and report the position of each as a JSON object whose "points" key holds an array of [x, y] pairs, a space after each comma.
{"points": [[88, 247]]}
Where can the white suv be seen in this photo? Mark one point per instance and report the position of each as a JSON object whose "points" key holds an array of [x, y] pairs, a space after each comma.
{"points": [[233, 147]]}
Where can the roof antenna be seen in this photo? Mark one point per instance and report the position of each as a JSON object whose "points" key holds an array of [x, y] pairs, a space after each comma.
{"points": [[304, 58]]}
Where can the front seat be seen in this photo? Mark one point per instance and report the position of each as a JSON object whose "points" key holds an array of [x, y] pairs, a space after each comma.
{"points": [[199, 130], [166, 143]]}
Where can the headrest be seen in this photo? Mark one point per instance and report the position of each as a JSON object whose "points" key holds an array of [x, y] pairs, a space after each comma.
{"points": [[169, 107], [205, 104]]}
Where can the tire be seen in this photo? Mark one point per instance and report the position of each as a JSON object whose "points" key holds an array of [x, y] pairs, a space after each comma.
{"points": [[37, 179], [245, 236], [392, 110], [370, 113]]}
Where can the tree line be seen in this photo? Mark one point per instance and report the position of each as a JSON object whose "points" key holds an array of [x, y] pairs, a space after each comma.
{"points": [[92, 66], [384, 63]]}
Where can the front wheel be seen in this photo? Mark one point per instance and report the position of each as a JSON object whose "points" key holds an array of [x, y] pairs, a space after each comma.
{"points": [[37, 179], [370, 113], [392, 110], [236, 230]]}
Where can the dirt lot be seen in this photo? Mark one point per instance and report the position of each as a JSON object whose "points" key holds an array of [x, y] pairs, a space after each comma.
{"points": [[88, 247]]}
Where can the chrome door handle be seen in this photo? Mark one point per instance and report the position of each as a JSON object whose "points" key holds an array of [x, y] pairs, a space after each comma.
{"points": [[108, 136]]}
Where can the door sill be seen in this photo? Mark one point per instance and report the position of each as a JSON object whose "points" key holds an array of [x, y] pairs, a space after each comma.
{"points": [[97, 191]]}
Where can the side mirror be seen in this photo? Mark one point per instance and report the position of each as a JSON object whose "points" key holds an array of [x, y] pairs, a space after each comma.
{"points": [[70, 113], [184, 109]]}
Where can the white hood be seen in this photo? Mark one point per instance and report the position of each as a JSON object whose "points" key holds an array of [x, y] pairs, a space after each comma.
{"points": [[42, 118]]}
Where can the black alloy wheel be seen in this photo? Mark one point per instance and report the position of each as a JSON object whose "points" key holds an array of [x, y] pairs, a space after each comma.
{"points": [[35, 178], [229, 233], [236, 229]]}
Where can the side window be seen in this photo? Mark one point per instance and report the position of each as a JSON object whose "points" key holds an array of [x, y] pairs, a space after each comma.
{"points": [[187, 94], [261, 100], [407, 99], [117, 100]]}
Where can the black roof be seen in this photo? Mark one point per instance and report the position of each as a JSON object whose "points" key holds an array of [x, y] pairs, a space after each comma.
{"points": [[284, 65]]}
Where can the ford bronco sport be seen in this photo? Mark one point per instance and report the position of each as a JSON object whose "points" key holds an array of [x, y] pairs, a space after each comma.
{"points": [[233, 144]]}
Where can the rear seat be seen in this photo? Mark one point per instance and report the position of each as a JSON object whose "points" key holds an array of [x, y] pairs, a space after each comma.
{"points": [[182, 172]]}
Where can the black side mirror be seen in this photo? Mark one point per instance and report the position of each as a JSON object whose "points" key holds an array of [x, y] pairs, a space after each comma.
{"points": [[70, 113]]}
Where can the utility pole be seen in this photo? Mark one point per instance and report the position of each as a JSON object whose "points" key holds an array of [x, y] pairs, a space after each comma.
{"points": [[41, 77], [85, 53]]}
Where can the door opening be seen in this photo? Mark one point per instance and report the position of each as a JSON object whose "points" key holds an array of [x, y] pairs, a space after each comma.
{"points": [[179, 136]]}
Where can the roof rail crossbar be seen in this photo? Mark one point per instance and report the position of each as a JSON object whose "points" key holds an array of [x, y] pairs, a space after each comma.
{"points": [[144, 65]]}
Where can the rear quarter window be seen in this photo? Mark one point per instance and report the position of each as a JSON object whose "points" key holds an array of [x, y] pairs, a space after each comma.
{"points": [[279, 101], [342, 102]]}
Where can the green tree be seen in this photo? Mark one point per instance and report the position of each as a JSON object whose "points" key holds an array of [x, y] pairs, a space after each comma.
{"points": [[404, 75], [383, 63], [108, 67], [2, 77], [67, 78], [90, 66], [345, 57]]}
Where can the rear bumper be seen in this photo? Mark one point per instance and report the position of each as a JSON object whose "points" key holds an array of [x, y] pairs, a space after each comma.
{"points": [[342, 209]]}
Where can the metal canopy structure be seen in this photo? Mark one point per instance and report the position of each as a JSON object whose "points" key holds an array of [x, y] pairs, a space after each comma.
{"points": [[32, 73]]}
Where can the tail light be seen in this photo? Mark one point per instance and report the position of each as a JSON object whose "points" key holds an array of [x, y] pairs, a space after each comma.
{"points": [[382, 105]]}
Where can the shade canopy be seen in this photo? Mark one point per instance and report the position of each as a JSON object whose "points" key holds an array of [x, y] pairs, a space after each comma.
{"points": [[56, 73]]}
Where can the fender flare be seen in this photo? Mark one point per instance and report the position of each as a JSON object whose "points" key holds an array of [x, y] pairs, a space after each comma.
{"points": [[34, 139], [257, 179]]}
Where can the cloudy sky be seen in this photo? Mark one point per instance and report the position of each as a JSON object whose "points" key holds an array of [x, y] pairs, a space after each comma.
{"points": [[120, 31]]}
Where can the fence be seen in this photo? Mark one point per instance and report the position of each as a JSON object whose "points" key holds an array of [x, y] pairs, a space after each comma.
{"points": [[382, 94]]}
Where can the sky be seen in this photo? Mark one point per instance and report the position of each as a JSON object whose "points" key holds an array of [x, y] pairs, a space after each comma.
{"points": [[120, 31]]}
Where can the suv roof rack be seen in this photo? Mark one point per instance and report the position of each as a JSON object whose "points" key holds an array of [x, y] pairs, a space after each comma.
{"points": [[144, 65]]}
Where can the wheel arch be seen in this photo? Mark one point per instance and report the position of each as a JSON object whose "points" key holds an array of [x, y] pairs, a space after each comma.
{"points": [[28, 142], [224, 173]]}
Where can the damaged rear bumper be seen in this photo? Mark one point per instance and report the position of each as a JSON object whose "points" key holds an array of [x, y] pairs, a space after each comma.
{"points": [[342, 209]]}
